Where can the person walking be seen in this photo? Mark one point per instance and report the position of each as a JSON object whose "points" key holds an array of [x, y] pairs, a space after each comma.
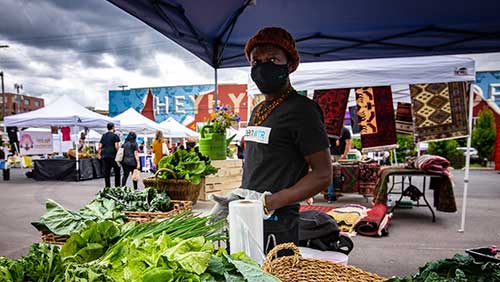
{"points": [[158, 148], [108, 146], [130, 158]]}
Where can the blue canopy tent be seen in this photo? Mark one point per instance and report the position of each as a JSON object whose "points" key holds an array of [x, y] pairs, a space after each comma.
{"points": [[325, 30]]}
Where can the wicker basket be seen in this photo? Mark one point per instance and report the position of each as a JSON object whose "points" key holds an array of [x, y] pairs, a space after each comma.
{"points": [[177, 189], [296, 268], [178, 207], [140, 216]]}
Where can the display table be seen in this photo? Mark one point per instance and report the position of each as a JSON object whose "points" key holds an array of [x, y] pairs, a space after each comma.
{"points": [[441, 184], [65, 170]]}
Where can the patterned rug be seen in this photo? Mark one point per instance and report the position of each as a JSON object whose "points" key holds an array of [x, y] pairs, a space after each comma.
{"points": [[315, 208], [333, 102], [376, 118], [404, 120], [354, 120], [440, 110]]}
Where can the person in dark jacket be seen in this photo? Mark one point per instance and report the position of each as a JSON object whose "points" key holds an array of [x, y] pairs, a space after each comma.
{"points": [[108, 147], [130, 158]]}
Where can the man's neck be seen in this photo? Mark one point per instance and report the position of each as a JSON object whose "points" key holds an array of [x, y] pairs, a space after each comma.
{"points": [[283, 91]]}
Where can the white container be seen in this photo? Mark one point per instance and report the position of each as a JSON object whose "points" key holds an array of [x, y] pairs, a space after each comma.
{"points": [[336, 257]]}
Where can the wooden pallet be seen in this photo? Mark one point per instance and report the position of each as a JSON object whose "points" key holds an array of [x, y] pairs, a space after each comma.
{"points": [[227, 178]]}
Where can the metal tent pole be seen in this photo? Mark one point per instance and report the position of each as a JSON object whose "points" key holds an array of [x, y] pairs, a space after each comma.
{"points": [[77, 159], [216, 83], [467, 159]]}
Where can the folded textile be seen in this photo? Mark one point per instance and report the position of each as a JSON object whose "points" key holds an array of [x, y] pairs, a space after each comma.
{"points": [[376, 118], [347, 217], [333, 103], [434, 164], [315, 208], [440, 110], [375, 222]]}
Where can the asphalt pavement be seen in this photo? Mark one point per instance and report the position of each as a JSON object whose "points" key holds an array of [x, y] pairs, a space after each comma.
{"points": [[413, 240]]}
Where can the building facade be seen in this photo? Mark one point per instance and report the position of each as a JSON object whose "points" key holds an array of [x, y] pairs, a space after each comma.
{"points": [[489, 82], [188, 105], [17, 103]]}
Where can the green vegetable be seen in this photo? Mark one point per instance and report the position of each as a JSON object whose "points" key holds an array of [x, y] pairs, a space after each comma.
{"points": [[91, 242], [457, 269], [62, 221], [42, 263], [148, 200], [187, 165]]}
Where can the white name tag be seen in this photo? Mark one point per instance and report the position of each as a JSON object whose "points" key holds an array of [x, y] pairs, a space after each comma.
{"points": [[259, 134]]}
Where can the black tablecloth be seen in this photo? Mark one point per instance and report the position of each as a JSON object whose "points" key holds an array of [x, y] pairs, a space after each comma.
{"points": [[65, 170]]}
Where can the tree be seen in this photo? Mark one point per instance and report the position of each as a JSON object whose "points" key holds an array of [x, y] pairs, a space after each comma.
{"points": [[447, 149], [484, 134], [406, 147]]}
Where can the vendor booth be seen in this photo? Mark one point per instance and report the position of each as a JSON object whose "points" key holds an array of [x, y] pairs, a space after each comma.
{"points": [[64, 113]]}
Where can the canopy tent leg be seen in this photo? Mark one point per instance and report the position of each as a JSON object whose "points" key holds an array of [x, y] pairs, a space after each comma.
{"points": [[395, 157], [60, 141], [76, 150], [216, 87], [467, 160]]}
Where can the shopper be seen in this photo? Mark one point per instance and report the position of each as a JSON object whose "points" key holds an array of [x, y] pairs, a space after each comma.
{"points": [[130, 158], [286, 154], [158, 148], [108, 146], [339, 147]]}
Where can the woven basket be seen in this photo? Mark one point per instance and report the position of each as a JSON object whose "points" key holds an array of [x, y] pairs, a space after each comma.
{"points": [[178, 207], [177, 189], [296, 268], [140, 216]]}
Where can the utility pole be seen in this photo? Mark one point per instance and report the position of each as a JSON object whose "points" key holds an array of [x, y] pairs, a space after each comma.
{"points": [[3, 90], [122, 87], [3, 98]]}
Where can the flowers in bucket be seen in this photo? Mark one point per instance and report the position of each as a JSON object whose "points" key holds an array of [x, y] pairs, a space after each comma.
{"points": [[223, 118]]}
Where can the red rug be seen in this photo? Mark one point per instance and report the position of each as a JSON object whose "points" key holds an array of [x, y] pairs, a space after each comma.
{"points": [[315, 208], [376, 118], [333, 102]]}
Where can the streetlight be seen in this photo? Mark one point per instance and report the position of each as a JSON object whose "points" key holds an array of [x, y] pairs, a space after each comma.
{"points": [[3, 90], [122, 87]]}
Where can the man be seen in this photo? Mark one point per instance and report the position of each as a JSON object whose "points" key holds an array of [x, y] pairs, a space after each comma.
{"points": [[285, 138], [108, 146], [339, 148]]}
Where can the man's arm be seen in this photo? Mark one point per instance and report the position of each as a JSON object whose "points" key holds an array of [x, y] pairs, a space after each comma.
{"points": [[314, 182], [117, 145], [99, 150]]}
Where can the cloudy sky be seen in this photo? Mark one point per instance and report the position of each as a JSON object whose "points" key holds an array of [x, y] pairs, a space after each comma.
{"points": [[84, 48]]}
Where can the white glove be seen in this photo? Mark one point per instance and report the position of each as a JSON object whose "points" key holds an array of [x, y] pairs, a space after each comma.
{"points": [[221, 208]]}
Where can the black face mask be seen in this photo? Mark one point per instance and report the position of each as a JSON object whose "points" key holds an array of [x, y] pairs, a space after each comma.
{"points": [[269, 77]]}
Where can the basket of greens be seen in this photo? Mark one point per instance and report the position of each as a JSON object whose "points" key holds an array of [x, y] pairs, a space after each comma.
{"points": [[181, 175]]}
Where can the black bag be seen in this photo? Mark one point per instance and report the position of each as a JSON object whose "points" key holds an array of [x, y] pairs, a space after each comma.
{"points": [[318, 230]]}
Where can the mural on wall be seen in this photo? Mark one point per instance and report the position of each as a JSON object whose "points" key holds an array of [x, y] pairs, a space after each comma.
{"points": [[186, 104], [485, 80]]}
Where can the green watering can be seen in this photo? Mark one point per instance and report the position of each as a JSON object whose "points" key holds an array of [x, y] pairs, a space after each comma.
{"points": [[214, 145]]}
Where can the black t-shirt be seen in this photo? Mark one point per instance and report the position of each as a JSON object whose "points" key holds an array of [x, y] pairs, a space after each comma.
{"points": [[339, 150], [12, 133], [108, 141], [275, 150], [129, 149]]}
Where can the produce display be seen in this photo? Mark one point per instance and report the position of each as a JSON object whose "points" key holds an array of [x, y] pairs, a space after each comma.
{"points": [[108, 205], [62, 221], [460, 268], [147, 200], [187, 165], [177, 249]]}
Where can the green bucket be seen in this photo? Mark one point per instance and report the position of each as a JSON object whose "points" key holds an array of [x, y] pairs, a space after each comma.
{"points": [[213, 145]]}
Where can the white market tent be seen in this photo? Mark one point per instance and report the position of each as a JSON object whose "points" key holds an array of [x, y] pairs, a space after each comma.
{"points": [[131, 120], [384, 72], [177, 130], [379, 72], [63, 112]]}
